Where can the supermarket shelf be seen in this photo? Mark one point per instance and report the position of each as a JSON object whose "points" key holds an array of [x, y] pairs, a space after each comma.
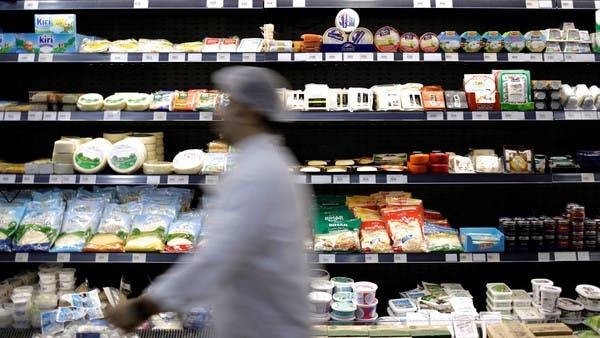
{"points": [[311, 116], [323, 258], [326, 179], [578, 4], [203, 333], [297, 57], [499, 4], [125, 4]]}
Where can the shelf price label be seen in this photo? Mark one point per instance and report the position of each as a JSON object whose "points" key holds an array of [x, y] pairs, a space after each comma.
{"points": [[35, 115], [112, 115], [490, 57], [583, 256], [118, 57], [28, 179], [101, 258], [178, 179], [341, 179], [334, 57], [320, 179], [589, 115], [313, 56], [587, 178], [140, 4], [543, 257], [566, 4], [12, 116], [176, 57], [26, 57], [55, 179], [444, 4], [371, 258], [8, 179], [326, 258], [570, 57], [481, 116], [536, 57], [223, 57], [400, 258], [568, 256], [513, 115], [87, 179], [466, 257], [68, 179], [50, 116], [270, 3], [249, 57], [411, 57], [63, 257], [435, 116], [451, 258], [396, 179], [214, 3], [572, 115], [421, 4], [432, 56], [138, 258], [455, 115], [453, 57], [64, 116], [46, 57], [553, 57], [211, 179], [544, 115], [532, 4], [367, 179], [479, 258], [299, 3], [194, 57], [385, 56], [300, 179], [284, 57], [205, 116], [493, 257], [153, 180], [365, 57], [159, 116], [546, 4], [22, 257], [244, 3], [597, 4], [31, 5]]}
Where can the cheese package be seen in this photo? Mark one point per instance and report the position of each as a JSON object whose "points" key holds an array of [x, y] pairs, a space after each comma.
{"points": [[81, 219], [374, 237], [441, 238], [405, 225], [518, 160], [188, 162], [91, 157], [115, 102], [433, 98], [114, 227], [55, 23], [361, 36], [214, 163], [514, 87], [90, 102], [409, 42], [334, 36], [185, 100], [336, 229], [492, 41], [450, 42], [127, 156], [139, 102], [429, 43], [183, 232], [40, 226], [158, 168], [470, 41], [387, 39], [481, 92], [535, 41], [9, 222], [123, 46], [162, 100], [387, 97], [147, 233], [207, 100], [189, 47], [94, 46], [154, 46], [514, 41], [253, 45]]}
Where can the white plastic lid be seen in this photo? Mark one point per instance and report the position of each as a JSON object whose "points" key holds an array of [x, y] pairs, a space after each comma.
{"points": [[343, 307], [319, 297], [541, 281], [370, 319], [343, 297], [322, 285], [342, 281], [551, 289], [588, 291], [364, 287], [347, 20]]}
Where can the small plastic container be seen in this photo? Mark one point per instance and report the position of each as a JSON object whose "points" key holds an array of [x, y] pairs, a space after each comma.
{"points": [[46, 301], [536, 284], [503, 303], [401, 306], [589, 295], [571, 311], [25, 289], [521, 299], [317, 285], [549, 297], [48, 287], [47, 277], [529, 316], [366, 311], [318, 274], [502, 311], [320, 318], [66, 274], [342, 284], [66, 284], [499, 291], [343, 297], [339, 320], [6, 317], [368, 320], [319, 302], [343, 310], [552, 317], [364, 293], [50, 267]]}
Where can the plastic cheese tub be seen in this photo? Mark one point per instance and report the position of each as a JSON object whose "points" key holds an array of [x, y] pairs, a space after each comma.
{"points": [[571, 311], [589, 295], [521, 299], [318, 274], [342, 284], [367, 312], [499, 291], [364, 293], [322, 286], [502, 311], [502, 303], [319, 302]]}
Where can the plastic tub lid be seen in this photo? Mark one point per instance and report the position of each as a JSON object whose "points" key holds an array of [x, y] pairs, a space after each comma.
{"points": [[520, 294], [498, 288], [569, 304], [319, 297], [402, 305], [343, 297], [338, 319], [322, 285], [319, 274], [342, 280], [364, 287], [541, 281], [588, 291], [343, 307]]}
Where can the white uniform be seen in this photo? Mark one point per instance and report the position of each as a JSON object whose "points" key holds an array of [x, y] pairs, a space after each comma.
{"points": [[253, 267]]}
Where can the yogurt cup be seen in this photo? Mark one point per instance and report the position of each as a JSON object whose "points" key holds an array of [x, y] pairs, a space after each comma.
{"points": [[343, 310], [571, 311], [368, 320], [342, 284], [536, 284], [66, 274], [347, 320], [366, 311], [343, 297], [47, 277], [319, 302], [48, 287], [590, 296], [67, 285], [549, 297], [318, 274], [364, 293], [320, 285]]}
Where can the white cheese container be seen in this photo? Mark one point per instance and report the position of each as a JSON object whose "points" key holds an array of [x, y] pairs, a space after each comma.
{"points": [[571, 311]]}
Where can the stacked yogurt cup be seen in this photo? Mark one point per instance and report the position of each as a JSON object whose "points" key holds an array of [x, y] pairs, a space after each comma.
{"points": [[320, 300], [545, 298], [343, 308], [365, 301], [21, 298]]}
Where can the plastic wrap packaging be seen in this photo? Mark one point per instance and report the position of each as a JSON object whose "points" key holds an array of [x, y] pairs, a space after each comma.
{"points": [[39, 228], [163, 100], [103, 195], [10, 218], [160, 205], [405, 228], [334, 233], [441, 238], [148, 232], [183, 232], [374, 237], [80, 221], [114, 227], [127, 194]]}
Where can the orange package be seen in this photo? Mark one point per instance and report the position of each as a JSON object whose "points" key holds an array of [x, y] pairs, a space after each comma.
{"points": [[433, 97], [405, 229], [374, 237], [185, 100]]}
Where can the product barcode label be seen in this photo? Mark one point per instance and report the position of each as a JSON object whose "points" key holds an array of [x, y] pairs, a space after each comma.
{"points": [[543, 257], [31, 4], [455, 115], [544, 115], [159, 116], [64, 116], [112, 115], [1, 115], [493, 257], [270, 3], [410, 56], [490, 57], [421, 3], [26, 58], [178, 179], [532, 4], [320, 179], [335, 57], [566, 4], [587, 177], [138, 258], [366, 179], [326, 258], [546, 4], [365, 56], [350, 56], [63, 257], [21, 257], [451, 57], [341, 179], [371, 258], [313, 56], [553, 57], [12, 116], [176, 57], [451, 258], [535, 57], [444, 4], [211, 179], [223, 57], [35, 116], [140, 3], [284, 57], [480, 116], [396, 179], [513, 115], [214, 3], [118, 57], [432, 57], [195, 57], [55, 179], [50, 116], [479, 258], [87, 179], [385, 56], [8, 179], [299, 3], [46, 57], [249, 57], [28, 179], [583, 256], [101, 258], [570, 57], [466, 257], [569, 256], [153, 180], [244, 3], [400, 258], [435, 116], [205, 116]]}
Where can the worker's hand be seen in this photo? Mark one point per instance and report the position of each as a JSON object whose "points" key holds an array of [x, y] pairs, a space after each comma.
{"points": [[130, 314]]}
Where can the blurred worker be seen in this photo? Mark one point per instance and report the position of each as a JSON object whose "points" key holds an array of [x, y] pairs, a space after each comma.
{"points": [[252, 267]]}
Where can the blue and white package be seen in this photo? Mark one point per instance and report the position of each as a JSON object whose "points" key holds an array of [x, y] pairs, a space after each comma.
{"points": [[183, 232], [38, 229], [80, 221], [10, 218]]}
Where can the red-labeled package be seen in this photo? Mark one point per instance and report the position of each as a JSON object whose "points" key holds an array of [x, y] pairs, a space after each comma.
{"points": [[374, 237], [405, 228]]}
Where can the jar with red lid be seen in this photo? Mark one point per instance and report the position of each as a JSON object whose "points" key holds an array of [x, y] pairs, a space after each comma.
{"points": [[577, 213], [549, 227], [563, 227]]}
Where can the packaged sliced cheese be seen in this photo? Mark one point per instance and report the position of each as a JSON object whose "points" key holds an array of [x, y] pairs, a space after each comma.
{"points": [[158, 168], [162, 100], [139, 102], [127, 156], [39, 227], [81, 219], [123, 46], [184, 100], [154, 46], [114, 227], [188, 162], [183, 232], [11, 218], [189, 47], [92, 156], [115, 102], [94, 46], [147, 234], [90, 102]]}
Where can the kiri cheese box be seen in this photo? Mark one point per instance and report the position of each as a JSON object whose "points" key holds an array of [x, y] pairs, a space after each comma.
{"points": [[7, 43], [55, 23], [46, 43]]}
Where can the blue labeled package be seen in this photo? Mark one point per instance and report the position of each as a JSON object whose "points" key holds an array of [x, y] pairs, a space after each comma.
{"points": [[80, 221], [492, 41], [38, 229], [449, 41], [183, 232], [46, 43], [7, 43], [49, 324], [470, 41], [10, 218], [70, 314], [441, 238], [55, 23], [482, 239]]}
